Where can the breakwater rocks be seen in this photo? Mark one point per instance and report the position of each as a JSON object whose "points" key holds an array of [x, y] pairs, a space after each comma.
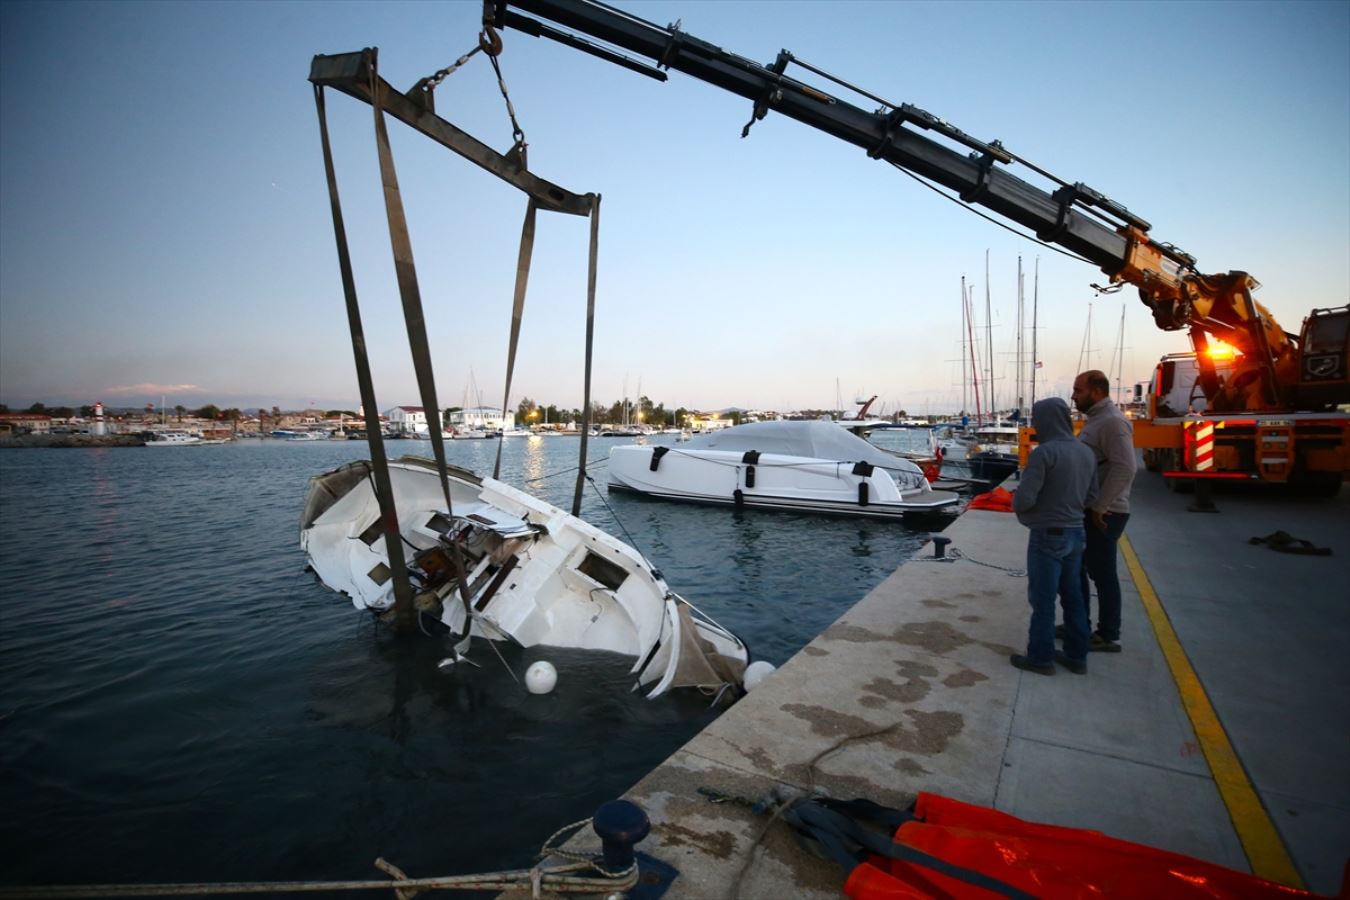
{"points": [[11, 441]]}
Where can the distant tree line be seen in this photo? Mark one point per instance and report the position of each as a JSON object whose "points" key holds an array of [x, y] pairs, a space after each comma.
{"points": [[642, 411], [209, 411]]}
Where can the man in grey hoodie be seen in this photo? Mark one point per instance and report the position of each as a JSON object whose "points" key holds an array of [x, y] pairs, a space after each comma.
{"points": [[1058, 486]]}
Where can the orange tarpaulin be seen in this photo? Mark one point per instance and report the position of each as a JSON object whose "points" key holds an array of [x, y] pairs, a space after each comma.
{"points": [[1046, 861], [998, 500]]}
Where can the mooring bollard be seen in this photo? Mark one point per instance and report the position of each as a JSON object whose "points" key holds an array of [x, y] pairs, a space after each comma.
{"points": [[620, 824], [940, 543]]}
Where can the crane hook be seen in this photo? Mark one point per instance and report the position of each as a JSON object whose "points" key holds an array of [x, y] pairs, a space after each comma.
{"points": [[490, 41]]}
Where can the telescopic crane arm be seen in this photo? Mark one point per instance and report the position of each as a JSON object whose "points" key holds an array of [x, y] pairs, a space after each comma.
{"points": [[1073, 216]]}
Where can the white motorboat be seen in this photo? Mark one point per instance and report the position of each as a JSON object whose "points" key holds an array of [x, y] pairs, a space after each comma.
{"points": [[172, 439], [535, 574], [811, 466], [284, 434]]}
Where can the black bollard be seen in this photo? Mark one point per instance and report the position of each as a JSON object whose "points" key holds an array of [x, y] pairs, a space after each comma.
{"points": [[620, 825], [940, 545]]}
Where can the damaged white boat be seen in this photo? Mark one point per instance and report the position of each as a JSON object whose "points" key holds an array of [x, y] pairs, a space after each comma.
{"points": [[809, 466], [535, 574]]}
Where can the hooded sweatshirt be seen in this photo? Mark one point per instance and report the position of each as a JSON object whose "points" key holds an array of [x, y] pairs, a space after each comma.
{"points": [[1060, 480]]}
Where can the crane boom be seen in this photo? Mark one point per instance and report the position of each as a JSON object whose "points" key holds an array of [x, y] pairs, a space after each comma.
{"points": [[1114, 239]]}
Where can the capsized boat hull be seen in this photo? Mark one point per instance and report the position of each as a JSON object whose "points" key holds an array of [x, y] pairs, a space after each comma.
{"points": [[535, 574]]}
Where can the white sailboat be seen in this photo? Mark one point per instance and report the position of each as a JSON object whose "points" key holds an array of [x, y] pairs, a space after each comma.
{"points": [[534, 574]]}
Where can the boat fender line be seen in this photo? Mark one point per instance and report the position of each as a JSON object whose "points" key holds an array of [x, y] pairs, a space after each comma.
{"points": [[862, 493], [657, 453], [739, 496]]}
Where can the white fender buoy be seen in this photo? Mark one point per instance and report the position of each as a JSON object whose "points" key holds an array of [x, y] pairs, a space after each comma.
{"points": [[541, 677], [756, 672]]}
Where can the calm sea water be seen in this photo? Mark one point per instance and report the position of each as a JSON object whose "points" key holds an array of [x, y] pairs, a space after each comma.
{"points": [[180, 701]]}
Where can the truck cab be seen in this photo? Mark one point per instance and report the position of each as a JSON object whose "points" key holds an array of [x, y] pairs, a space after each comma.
{"points": [[1174, 390]]}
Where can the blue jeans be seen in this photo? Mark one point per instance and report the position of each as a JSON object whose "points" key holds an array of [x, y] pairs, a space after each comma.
{"points": [[1054, 568], [1099, 564]]}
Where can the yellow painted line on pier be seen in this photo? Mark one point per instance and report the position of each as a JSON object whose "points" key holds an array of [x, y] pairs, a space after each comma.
{"points": [[1266, 853]]}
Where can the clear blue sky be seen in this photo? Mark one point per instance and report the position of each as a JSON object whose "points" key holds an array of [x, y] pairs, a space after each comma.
{"points": [[164, 226]]}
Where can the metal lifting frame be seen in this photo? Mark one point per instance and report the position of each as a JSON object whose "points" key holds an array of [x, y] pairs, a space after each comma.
{"points": [[356, 74]]}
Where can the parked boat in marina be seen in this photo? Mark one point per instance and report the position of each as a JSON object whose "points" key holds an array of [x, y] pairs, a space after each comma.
{"points": [[173, 439], [284, 434], [992, 455], [535, 575], [811, 466]]}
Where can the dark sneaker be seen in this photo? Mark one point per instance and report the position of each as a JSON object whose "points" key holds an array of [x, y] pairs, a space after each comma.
{"points": [[1077, 668], [1099, 644], [1026, 665]]}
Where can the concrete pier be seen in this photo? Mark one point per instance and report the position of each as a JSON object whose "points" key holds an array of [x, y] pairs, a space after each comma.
{"points": [[911, 690]]}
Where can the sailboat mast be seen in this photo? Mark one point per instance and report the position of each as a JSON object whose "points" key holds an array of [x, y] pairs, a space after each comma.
{"points": [[1120, 354], [974, 365], [1021, 409], [964, 394], [1035, 302], [989, 337], [1085, 354]]}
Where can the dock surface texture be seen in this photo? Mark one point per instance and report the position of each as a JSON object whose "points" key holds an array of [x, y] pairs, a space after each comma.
{"points": [[911, 690]]}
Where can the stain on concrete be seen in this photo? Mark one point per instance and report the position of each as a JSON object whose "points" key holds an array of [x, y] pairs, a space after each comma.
{"points": [[964, 678], [939, 604], [852, 633], [913, 689], [936, 637], [910, 767], [971, 618], [931, 733], [719, 844], [909, 692], [829, 722], [815, 651], [762, 761], [872, 702]]}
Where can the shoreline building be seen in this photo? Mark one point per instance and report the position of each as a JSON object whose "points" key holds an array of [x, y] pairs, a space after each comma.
{"points": [[407, 419], [488, 418]]}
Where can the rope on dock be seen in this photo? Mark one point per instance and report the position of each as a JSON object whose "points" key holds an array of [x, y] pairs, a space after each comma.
{"points": [[560, 879], [780, 802]]}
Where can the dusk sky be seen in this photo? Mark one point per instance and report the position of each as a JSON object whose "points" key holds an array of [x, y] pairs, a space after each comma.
{"points": [[164, 222]]}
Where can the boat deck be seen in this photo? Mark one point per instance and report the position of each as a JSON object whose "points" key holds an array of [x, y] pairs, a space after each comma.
{"points": [[1222, 731]]}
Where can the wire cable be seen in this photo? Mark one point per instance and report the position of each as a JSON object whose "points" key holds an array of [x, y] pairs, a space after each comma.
{"points": [[1005, 226]]}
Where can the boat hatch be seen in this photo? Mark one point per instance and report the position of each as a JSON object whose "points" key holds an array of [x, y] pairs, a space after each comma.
{"points": [[372, 533], [439, 523], [380, 574], [602, 571]]}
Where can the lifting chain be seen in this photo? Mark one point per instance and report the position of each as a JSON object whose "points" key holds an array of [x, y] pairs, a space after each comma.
{"points": [[489, 42]]}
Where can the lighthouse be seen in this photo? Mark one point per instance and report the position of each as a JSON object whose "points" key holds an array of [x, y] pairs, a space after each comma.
{"points": [[100, 427]]}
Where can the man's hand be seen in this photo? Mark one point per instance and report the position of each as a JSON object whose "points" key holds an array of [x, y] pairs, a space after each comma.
{"points": [[1099, 519]]}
